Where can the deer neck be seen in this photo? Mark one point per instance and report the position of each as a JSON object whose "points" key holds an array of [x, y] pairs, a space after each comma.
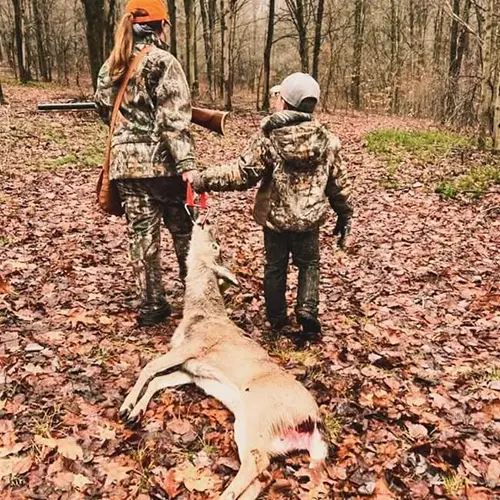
{"points": [[202, 293]]}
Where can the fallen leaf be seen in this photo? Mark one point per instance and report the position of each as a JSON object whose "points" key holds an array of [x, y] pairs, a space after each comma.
{"points": [[15, 466], [63, 480], [382, 491], [115, 473], [179, 426], [4, 286], [80, 481], [416, 431], [493, 474], [69, 448], [5, 451], [167, 481]]}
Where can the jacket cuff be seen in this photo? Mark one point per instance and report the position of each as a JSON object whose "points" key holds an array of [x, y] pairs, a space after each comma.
{"points": [[186, 165]]}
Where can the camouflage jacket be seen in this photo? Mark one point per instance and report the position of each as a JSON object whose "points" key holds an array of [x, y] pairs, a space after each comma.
{"points": [[152, 136], [298, 162]]}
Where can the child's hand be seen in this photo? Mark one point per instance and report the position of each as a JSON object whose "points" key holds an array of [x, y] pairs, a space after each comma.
{"points": [[189, 176], [342, 229]]}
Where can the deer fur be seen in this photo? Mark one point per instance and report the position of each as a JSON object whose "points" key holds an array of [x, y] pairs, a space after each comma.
{"points": [[274, 414]]}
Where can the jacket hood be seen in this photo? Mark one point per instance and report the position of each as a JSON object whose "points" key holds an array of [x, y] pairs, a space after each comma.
{"points": [[297, 139]]}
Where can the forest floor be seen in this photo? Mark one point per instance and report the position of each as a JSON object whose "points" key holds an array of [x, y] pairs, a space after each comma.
{"points": [[408, 376]]}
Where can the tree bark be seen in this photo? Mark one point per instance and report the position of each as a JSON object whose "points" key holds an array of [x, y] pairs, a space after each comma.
{"points": [[486, 99], [24, 75], [229, 58], [2, 97], [297, 10], [222, 47], [40, 45], [458, 44], [172, 14], [359, 30], [110, 27], [96, 28], [208, 39], [190, 41], [317, 38], [267, 55]]}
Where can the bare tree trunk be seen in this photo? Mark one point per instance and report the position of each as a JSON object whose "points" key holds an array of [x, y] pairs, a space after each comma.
{"points": [[172, 14], [96, 28], [208, 39], [190, 41], [24, 75], [297, 10], [359, 30], [496, 113], [496, 94], [110, 27], [485, 102], [229, 58], [438, 38], [2, 97], [196, 83], [222, 47], [267, 55], [458, 44], [41, 49], [317, 38]]}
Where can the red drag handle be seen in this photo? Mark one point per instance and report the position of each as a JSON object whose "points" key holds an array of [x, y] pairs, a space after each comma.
{"points": [[190, 197]]}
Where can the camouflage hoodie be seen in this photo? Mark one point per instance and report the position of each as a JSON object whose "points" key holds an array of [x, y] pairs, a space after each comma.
{"points": [[299, 164], [152, 137]]}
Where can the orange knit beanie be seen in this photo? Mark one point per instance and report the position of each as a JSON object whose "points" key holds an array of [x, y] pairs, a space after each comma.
{"points": [[146, 11]]}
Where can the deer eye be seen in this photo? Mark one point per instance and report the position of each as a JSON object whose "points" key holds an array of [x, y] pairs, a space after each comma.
{"points": [[215, 247]]}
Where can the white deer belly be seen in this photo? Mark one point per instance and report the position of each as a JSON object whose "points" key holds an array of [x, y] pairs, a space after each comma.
{"points": [[227, 394], [215, 384]]}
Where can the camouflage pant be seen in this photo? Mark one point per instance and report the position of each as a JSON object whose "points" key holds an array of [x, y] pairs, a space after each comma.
{"points": [[304, 248], [146, 201]]}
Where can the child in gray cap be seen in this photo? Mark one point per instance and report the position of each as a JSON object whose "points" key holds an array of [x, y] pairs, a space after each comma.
{"points": [[297, 161]]}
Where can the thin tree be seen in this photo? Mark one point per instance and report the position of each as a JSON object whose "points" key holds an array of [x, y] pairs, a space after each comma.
{"points": [[267, 54], [317, 38], [359, 31], [2, 97], [24, 75], [486, 99], [95, 27], [298, 10], [172, 14], [458, 44], [207, 8]]}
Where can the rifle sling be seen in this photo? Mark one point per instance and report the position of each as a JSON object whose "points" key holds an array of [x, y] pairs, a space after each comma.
{"points": [[118, 101]]}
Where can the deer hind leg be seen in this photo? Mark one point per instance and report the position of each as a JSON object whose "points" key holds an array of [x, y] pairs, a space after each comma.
{"points": [[252, 466], [246, 484], [157, 384], [173, 359]]}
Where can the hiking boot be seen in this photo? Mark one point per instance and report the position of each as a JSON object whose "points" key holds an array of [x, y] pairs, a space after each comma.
{"points": [[152, 317], [310, 325], [279, 324]]}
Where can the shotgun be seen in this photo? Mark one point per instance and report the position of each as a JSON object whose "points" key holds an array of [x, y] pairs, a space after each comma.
{"points": [[210, 119]]}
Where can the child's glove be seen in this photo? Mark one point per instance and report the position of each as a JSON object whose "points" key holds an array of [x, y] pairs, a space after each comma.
{"points": [[342, 229]]}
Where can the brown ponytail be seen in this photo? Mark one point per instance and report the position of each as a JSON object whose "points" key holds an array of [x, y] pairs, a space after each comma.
{"points": [[123, 49]]}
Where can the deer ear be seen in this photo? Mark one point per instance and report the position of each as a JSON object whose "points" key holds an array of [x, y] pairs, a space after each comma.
{"points": [[226, 275]]}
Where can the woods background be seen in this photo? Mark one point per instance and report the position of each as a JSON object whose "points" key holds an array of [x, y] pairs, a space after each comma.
{"points": [[426, 58]]}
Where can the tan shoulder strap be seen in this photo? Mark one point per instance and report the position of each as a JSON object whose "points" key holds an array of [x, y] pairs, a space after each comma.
{"points": [[123, 87]]}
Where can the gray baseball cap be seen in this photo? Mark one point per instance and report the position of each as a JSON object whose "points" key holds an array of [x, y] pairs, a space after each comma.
{"points": [[297, 87]]}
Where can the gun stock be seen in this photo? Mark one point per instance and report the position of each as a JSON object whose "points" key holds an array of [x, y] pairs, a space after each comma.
{"points": [[210, 119]]}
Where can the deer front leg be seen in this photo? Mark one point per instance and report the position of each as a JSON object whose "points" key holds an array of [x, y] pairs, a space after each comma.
{"points": [[157, 384], [174, 358]]}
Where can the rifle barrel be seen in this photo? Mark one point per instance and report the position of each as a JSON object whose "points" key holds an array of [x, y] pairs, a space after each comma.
{"points": [[66, 106]]}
